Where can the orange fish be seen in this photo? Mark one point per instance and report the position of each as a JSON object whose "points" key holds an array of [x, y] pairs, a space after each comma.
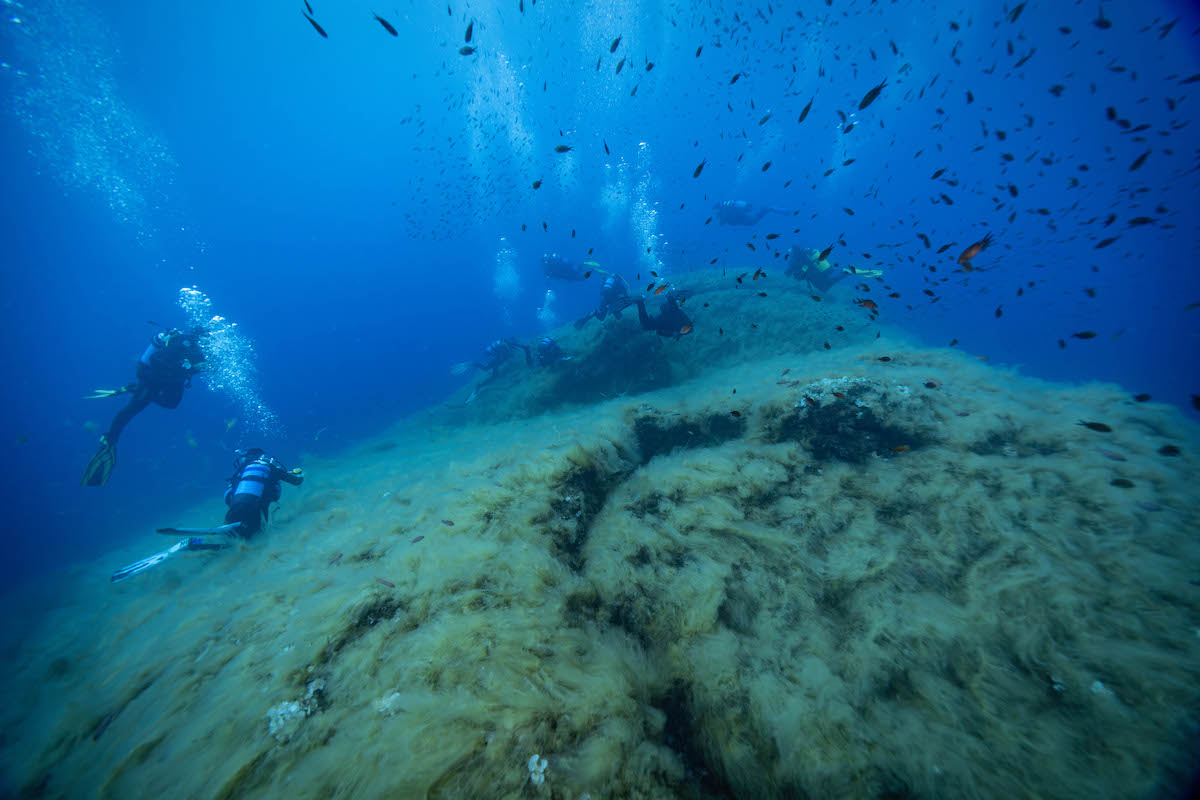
{"points": [[965, 257], [871, 305], [685, 330], [901, 449], [661, 289]]}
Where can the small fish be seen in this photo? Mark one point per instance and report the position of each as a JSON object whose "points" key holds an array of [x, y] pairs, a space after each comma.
{"points": [[931, 384], [903, 448], [686, 329], [766, 166], [1123, 483], [1084, 335], [562, 148], [735, 413], [884, 359], [839, 395], [387, 26], [620, 66], [661, 289], [1106, 242], [965, 256], [1142, 398], [306, 5], [1137, 162], [102, 726], [335, 560], [537, 184], [605, 143], [825, 253], [1169, 450], [963, 414], [699, 169], [1096, 426], [388, 584], [470, 30], [612, 48], [1111, 455], [466, 50], [815, 298], [871, 95], [804, 113], [419, 538], [449, 523], [316, 27], [734, 79], [868, 304]]}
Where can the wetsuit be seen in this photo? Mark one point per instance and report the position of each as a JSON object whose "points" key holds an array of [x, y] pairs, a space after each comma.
{"points": [[739, 212], [253, 486], [613, 299], [499, 352], [163, 372], [548, 352], [557, 267], [671, 321]]}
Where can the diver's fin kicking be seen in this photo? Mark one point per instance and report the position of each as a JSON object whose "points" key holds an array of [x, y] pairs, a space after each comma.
{"points": [[130, 570], [100, 467], [221, 530], [100, 394]]}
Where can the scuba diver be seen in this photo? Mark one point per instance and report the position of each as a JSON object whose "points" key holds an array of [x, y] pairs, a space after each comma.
{"points": [[614, 298], [739, 212], [670, 321], [164, 370], [558, 268], [495, 355], [252, 488], [821, 276], [548, 352]]}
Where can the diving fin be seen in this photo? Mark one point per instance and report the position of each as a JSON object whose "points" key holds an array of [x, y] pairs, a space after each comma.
{"points": [[100, 467], [100, 394], [130, 570], [221, 530]]}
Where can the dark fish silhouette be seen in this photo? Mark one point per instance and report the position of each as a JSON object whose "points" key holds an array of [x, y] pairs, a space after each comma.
{"points": [[387, 26], [804, 113], [316, 27], [470, 30], [616, 43], [871, 95], [699, 169]]}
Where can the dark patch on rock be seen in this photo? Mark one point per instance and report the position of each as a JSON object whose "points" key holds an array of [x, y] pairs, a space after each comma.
{"points": [[681, 736], [658, 435], [837, 432]]}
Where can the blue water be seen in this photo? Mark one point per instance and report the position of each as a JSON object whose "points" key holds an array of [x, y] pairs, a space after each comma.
{"points": [[344, 200]]}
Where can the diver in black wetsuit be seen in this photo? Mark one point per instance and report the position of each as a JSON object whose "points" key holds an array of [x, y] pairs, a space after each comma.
{"points": [[614, 297], [495, 355], [253, 486], [739, 212], [164, 370], [558, 268], [670, 321], [549, 352]]}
